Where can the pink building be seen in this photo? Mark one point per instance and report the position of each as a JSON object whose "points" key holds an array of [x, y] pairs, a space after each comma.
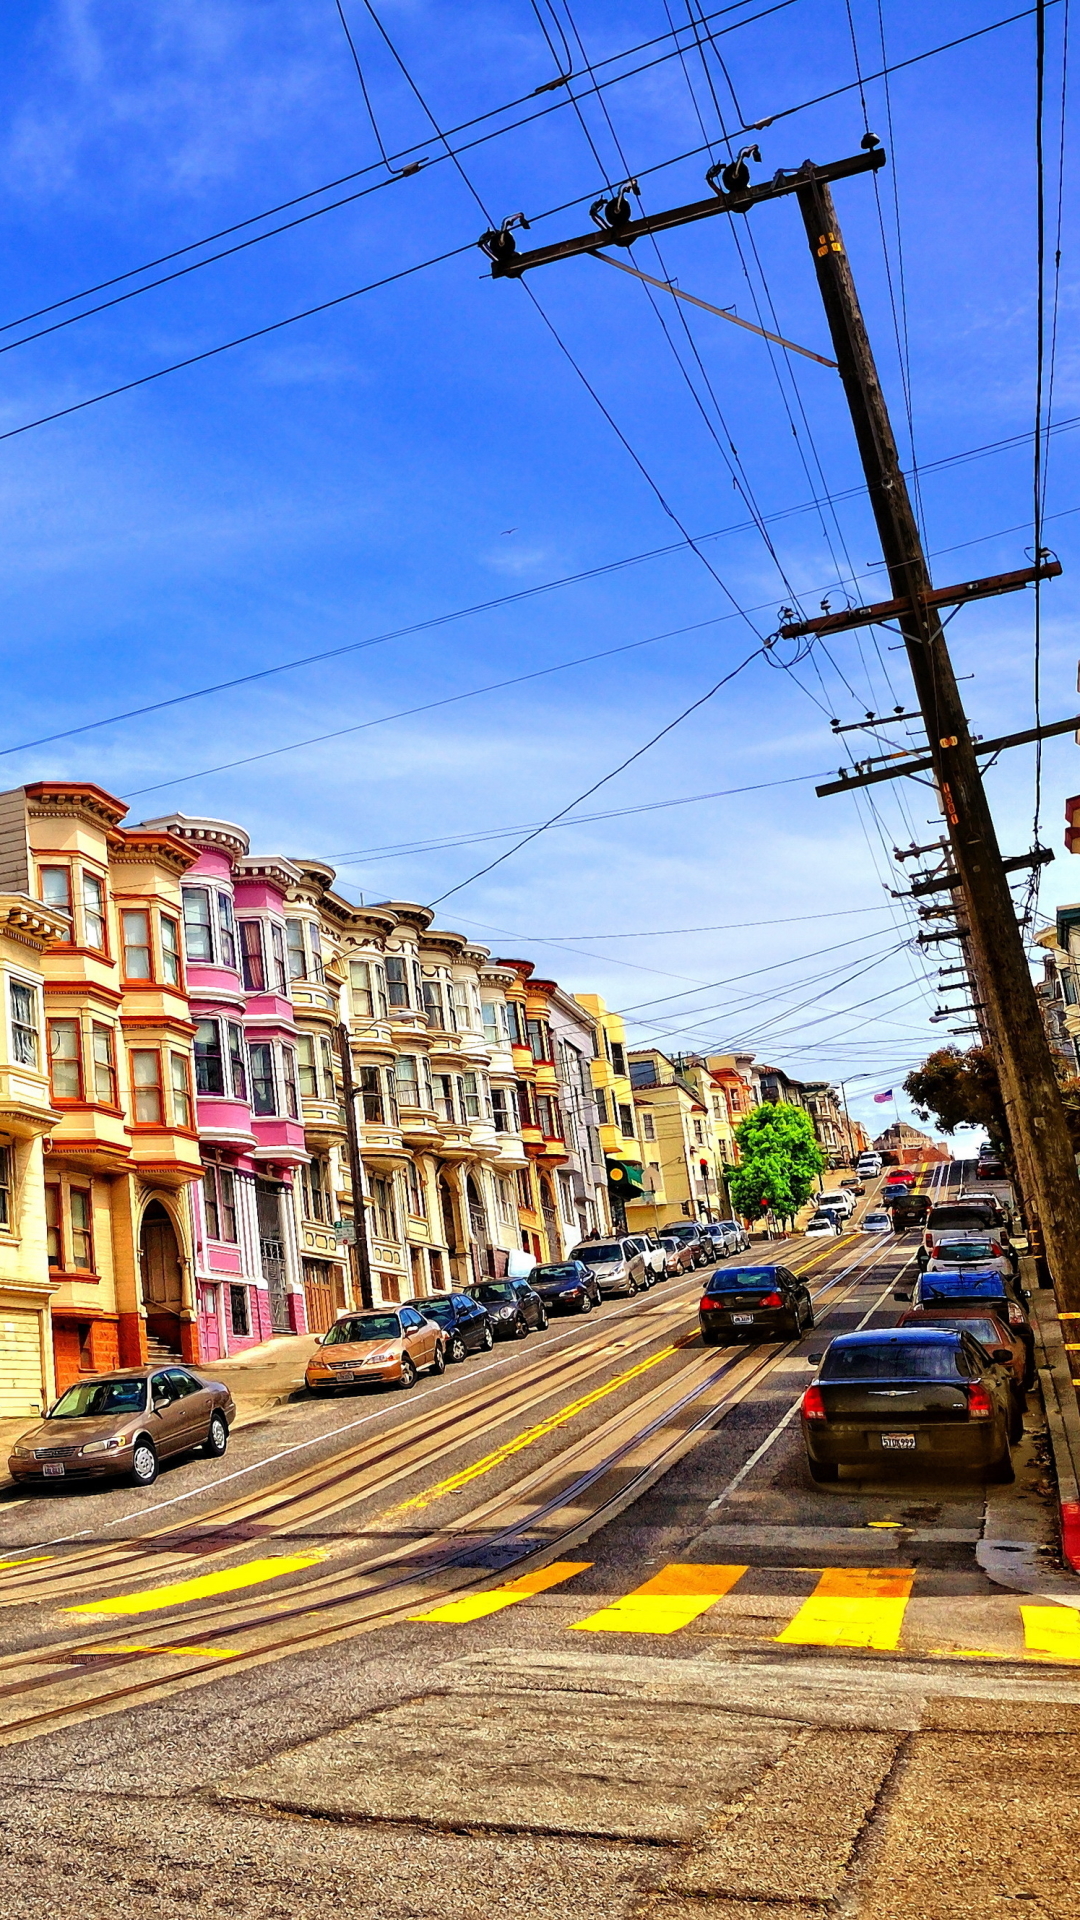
{"points": [[247, 1264]]}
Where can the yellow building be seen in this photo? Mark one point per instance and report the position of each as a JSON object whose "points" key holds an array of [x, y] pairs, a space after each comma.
{"points": [[614, 1096], [680, 1144]]}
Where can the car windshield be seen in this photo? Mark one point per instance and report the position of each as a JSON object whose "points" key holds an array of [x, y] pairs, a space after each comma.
{"points": [[91, 1397], [599, 1253], [566, 1272], [892, 1360], [493, 1291], [744, 1280], [373, 1326]]}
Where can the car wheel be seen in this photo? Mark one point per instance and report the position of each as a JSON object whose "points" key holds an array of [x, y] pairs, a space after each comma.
{"points": [[438, 1365], [456, 1348], [488, 1341], [217, 1438], [520, 1328], [144, 1462], [586, 1304], [810, 1320], [1016, 1421], [1001, 1471], [631, 1287], [408, 1373], [710, 1339], [823, 1471], [542, 1320]]}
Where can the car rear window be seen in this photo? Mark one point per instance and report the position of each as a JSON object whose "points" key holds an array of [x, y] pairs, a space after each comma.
{"points": [[893, 1360], [745, 1280], [963, 1286], [964, 1250], [987, 1332]]}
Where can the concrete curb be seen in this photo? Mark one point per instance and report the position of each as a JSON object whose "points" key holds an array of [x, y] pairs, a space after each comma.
{"points": [[1062, 1420]]}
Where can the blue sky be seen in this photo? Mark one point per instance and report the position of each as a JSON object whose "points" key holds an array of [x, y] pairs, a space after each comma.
{"points": [[428, 447]]}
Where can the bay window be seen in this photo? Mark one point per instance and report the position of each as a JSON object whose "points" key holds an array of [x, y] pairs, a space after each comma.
{"points": [[315, 943], [326, 1057], [24, 1024], [281, 969], [135, 922], [370, 1090], [56, 888], [263, 1088], [500, 1106], [219, 1202], [170, 950], [309, 1079], [237, 1063], [397, 982], [180, 1086], [292, 1104], [227, 931], [414, 1190], [462, 1004], [53, 1239], [514, 1022], [408, 1080], [252, 959], [82, 1229], [445, 1104], [65, 1060], [101, 1041], [433, 1005], [494, 1023], [382, 1194], [198, 928], [539, 1039], [93, 895], [294, 943], [472, 1089], [146, 1086], [209, 1062]]}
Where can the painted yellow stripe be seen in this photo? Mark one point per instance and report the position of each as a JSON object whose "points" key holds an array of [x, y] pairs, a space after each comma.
{"points": [[531, 1435], [477, 1606], [203, 1653], [852, 1607], [34, 1561], [251, 1574], [670, 1600], [1053, 1631]]}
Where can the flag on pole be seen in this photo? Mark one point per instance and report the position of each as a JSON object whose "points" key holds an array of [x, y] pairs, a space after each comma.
{"points": [[879, 1097]]}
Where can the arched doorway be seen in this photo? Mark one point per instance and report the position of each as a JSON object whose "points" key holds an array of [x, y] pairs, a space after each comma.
{"points": [[162, 1277]]}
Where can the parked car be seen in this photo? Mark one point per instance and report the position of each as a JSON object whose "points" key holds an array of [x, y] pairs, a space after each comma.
{"points": [[950, 1217], [854, 1185], [954, 1253], [119, 1425], [876, 1223], [894, 1191], [741, 1237], [388, 1345], [769, 1303], [617, 1264], [868, 1166], [829, 1222], [926, 1394], [992, 1291], [1001, 1342], [651, 1252], [678, 1254], [568, 1285], [513, 1306], [693, 1235], [724, 1236], [839, 1201], [909, 1210], [989, 1167], [466, 1324]]}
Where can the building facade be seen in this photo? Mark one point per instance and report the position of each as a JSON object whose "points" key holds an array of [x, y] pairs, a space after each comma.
{"points": [[616, 1121], [680, 1143]]}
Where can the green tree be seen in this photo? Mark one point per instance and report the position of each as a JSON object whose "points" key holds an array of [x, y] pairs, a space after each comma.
{"points": [[780, 1161], [959, 1090]]}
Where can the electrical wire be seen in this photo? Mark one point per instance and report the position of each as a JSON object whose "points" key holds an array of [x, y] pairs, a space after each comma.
{"points": [[396, 172]]}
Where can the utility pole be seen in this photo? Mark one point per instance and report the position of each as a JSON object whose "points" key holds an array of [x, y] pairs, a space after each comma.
{"points": [[361, 1254], [1044, 1156]]}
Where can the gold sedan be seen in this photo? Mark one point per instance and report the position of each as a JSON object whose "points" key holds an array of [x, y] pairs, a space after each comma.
{"points": [[391, 1345]]}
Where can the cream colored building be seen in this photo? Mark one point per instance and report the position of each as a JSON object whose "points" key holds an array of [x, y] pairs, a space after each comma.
{"points": [[680, 1143]]}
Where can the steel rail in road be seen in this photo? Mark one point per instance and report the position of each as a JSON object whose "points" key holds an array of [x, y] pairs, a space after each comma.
{"points": [[346, 1600]]}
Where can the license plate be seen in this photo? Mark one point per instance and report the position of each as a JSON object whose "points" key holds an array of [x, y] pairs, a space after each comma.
{"points": [[742, 1319], [898, 1440], [52, 1468], [345, 1376]]}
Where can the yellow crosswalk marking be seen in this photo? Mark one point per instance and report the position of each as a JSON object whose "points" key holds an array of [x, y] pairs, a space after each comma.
{"points": [[1052, 1631], [251, 1574], [852, 1607], [670, 1600], [477, 1606]]}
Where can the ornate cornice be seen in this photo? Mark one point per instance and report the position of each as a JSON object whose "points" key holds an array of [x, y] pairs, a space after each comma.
{"points": [[270, 867], [73, 799], [31, 923], [222, 835]]}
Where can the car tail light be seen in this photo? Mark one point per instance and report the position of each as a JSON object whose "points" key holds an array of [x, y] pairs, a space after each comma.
{"points": [[996, 1250], [980, 1405], [707, 1304], [813, 1406], [772, 1300]]}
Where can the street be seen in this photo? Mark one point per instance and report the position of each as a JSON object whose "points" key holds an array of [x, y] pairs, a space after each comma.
{"points": [[569, 1630]]}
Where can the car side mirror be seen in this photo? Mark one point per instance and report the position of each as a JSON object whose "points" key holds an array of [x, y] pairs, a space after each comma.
{"points": [[160, 1404], [901, 1294]]}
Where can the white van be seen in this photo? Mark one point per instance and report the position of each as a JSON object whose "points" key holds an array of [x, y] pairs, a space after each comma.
{"points": [[869, 1163]]}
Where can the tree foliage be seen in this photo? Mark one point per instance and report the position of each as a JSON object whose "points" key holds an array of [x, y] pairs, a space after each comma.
{"points": [[959, 1090], [779, 1161]]}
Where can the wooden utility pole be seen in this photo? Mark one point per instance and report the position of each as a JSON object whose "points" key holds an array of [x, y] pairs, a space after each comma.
{"points": [[1044, 1152], [361, 1253]]}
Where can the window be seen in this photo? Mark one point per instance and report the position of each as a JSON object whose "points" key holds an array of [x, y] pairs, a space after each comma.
{"points": [[65, 1060], [170, 950], [618, 1058], [524, 1187], [309, 1078], [397, 981], [414, 1192], [294, 943], [292, 1104], [252, 957], [135, 923], [463, 1015], [315, 943], [146, 1086], [408, 1080], [82, 1235], [648, 1126], [281, 969], [24, 1024], [601, 1105], [566, 1199], [198, 928], [209, 1065], [101, 1041], [445, 1105], [472, 1088], [699, 1133], [371, 1094], [237, 1062], [382, 1194], [514, 1022], [505, 1197], [227, 931], [526, 1104], [93, 896], [494, 1028], [360, 981], [56, 888], [326, 1056], [5, 1187], [219, 1200], [238, 1310], [500, 1108], [539, 1039], [549, 1120], [626, 1122], [433, 1004], [180, 1086], [263, 1090], [52, 1227]]}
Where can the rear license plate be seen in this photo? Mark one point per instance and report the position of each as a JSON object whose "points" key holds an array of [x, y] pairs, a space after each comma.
{"points": [[898, 1440], [52, 1468], [742, 1319]]}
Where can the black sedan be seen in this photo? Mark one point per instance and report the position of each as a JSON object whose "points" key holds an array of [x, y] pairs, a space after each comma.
{"points": [[768, 1303], [566, 1285], [466, 1324], [513, 1305], [925, 1395]]}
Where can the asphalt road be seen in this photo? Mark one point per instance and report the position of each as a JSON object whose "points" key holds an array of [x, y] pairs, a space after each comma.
{"points": [[569, 1632]]}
